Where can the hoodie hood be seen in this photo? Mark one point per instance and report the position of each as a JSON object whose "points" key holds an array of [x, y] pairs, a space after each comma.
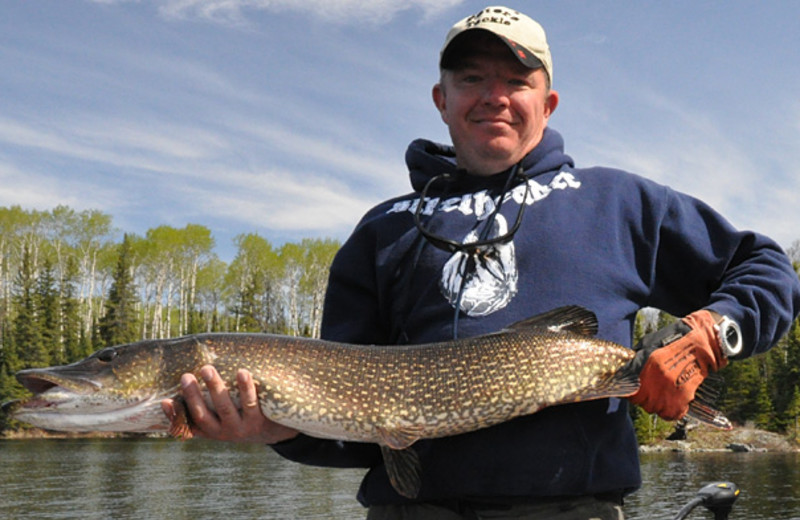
{"points": [[426, 159]]}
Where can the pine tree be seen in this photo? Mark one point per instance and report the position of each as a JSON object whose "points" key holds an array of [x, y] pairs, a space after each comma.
{"points": [[49, 314], [28, 338], [10, 389], [786, 360], [249, 306], [9, 386], [793, 415], [765, 413], [739, 393], [119, 324], [71, 329]]}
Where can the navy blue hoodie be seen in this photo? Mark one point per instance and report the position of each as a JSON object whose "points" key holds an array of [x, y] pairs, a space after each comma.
{"points": [[607, 240]]}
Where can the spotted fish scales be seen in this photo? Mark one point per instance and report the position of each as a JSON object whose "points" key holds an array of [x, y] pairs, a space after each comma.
{"points": [[392, 396]]}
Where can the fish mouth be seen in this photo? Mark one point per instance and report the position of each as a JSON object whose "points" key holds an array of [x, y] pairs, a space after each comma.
{"points": [[79, 404], [56, 392], [39, 381], [48, 396]]}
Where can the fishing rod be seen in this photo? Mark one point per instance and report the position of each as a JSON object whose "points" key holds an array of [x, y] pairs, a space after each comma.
{"points": [[717, 497]]}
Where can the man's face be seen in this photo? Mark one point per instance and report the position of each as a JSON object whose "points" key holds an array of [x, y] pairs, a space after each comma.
{"points": [[495, 107]]}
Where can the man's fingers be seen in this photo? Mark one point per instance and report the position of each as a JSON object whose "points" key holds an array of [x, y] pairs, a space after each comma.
{"points": [[168, 408], [228, 423], [248, 397], [190, 389], [218, 391]]}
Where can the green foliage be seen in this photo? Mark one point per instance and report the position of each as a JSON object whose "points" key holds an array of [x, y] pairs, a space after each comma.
{"points": [[47, 304], [28, 337], [119, 324], [742, 382], [67, 289], [793, 415], [255, 277], [785, 369], [764, 411], [73, 340], [649, 427]]}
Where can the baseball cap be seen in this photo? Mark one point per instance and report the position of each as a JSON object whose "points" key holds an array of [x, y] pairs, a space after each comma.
{"points": [[523, 35]]}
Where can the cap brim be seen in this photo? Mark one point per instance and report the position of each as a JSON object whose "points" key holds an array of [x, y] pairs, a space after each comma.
{"points": [[525, 56], [456, 47]]}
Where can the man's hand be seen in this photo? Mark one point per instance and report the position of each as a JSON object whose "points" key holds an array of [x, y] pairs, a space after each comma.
{"points": [[674, 361], [227, 422]]}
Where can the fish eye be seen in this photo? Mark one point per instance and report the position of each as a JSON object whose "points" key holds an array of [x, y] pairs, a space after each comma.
{"points": [[107, 355]]}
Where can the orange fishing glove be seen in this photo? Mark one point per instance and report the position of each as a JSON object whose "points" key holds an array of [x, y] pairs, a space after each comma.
{"points": [[673, 362]]}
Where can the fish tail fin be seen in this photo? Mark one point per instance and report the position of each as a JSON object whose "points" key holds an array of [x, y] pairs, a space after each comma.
{"points": [[702, 407]]}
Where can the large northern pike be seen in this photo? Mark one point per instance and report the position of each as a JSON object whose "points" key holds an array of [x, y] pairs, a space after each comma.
{"points": [[392, 396]]}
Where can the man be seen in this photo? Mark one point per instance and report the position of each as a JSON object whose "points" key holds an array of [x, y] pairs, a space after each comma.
{"points": [[502, 226]]}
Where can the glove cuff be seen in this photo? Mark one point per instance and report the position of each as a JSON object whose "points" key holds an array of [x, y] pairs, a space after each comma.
{"points": [[703, 325]]}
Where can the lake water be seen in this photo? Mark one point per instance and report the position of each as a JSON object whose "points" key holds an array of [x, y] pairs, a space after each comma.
{"points": [[159, 478]]}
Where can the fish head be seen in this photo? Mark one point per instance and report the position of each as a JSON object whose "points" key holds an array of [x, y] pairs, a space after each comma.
{"points": [[115, 389]]}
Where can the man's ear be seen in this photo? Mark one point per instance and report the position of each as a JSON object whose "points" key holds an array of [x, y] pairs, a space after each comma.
{"points": [[439, 99], [551, 103]]}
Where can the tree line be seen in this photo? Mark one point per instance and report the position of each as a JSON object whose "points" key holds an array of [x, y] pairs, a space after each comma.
{"points": [[70, 286]]}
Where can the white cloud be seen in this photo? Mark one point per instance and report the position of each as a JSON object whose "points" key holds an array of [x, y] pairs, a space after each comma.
{"points": [[281, 199], [339, 11], [32, 189], [331, 152], [117, 142], [200, 172]]}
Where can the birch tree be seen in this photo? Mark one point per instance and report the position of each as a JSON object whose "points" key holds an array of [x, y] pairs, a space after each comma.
{"points": [[195, 248], [253, 278], [319, 255], [92, 236]]}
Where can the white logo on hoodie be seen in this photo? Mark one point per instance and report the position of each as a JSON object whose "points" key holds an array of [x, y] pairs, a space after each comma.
{"points": [[486, 281], [483, 283]]}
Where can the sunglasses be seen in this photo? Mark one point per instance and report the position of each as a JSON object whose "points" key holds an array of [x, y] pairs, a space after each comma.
{"points": [[484, 242]]}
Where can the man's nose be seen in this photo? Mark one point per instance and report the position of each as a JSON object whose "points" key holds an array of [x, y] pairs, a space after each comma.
{"points": [[496, 93]]}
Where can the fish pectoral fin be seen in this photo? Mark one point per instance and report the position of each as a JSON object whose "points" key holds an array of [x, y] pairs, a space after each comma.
{"points": [[404, 470], [180, 422], [400, 437]]}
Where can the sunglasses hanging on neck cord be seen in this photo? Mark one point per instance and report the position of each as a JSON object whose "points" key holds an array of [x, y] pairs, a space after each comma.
{"points": [[484, 243]]}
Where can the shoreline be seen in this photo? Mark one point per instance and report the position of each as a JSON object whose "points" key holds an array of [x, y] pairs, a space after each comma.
{"points": [[702, 439], [36, 433]]}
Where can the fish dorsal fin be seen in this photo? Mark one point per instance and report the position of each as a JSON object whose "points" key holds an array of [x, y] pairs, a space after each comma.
{"points": [[570, 318]]}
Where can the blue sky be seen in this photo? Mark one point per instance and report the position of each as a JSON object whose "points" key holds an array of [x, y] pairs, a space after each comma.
{"points": [[290, 119]]}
